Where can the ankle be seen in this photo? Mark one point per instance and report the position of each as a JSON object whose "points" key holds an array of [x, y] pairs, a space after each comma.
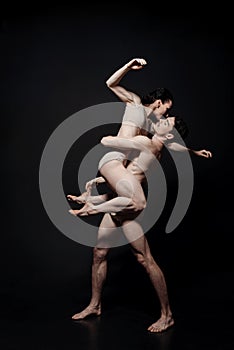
{"points": [[95, 305]]}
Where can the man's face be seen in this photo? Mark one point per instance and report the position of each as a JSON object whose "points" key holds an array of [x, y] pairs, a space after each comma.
{"points": [[161, 109], [164, 126], [164, 108]]}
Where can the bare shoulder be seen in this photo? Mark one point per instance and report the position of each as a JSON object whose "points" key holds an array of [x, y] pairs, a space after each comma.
{"points": [[134, 99], [143, 139]]}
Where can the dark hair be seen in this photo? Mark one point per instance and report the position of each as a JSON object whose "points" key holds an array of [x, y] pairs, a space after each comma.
{"points": [[160, 93], [180, 126]]}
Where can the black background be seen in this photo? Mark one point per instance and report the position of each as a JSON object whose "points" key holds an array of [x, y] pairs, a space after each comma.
{"points": [[54, 62]]}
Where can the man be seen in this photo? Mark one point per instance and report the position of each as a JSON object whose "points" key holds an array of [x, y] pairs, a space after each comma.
{"points": [[132, 174]]}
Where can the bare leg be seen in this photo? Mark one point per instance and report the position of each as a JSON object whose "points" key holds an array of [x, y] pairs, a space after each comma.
{"points": [[130, 195], [142, 252], [88, 202], [82, 199], [99, 268], [100, 198], [78, 199], [111, 206]]}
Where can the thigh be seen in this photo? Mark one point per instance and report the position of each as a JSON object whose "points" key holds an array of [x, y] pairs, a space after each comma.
{"points": [[121, 180], [134, 233], [107, 232]]}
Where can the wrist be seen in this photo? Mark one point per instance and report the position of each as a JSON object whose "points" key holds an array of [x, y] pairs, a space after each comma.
{"points": [[127, 67]]}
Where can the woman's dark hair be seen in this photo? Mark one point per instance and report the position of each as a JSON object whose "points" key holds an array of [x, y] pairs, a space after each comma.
{"points": [[160, 93], [180, 126]]}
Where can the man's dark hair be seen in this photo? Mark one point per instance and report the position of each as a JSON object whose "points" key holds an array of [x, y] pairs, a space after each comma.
{"points": [[180, 126], [160, 93]]}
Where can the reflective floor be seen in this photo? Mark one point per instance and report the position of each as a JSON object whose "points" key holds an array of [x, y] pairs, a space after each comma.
{"points": [[203, 320]]}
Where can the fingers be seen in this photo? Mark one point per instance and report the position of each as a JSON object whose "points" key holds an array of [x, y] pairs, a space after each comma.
{"points": [[207, 154], [88, 186], [137, 63], [141, 61]]}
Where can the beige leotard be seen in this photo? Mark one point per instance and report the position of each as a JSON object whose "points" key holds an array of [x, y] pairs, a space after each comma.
{"points": [[133, 115]]}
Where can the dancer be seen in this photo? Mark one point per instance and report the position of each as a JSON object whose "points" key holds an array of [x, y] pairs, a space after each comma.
{"points": [[135, 121], [86, 196], [149, 149], [109, 223], [126, 181]]}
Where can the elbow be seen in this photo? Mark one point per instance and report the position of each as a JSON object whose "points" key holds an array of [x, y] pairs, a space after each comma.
{"points": [[108, 83], [104, 141]]}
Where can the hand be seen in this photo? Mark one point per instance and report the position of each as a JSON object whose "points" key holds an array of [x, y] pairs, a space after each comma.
{"points": [[204, 153], [136, 63], [89, 185]]}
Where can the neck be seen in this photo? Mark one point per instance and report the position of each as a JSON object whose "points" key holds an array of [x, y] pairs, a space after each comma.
{"points": [[149, 110], [158, 140]]}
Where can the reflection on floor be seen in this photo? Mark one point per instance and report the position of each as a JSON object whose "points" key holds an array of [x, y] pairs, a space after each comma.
{"points": [[203, 321]]}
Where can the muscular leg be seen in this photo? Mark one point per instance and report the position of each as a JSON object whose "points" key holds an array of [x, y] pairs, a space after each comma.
{"points": [[130, 195], [142, 252], [78, 199], [99, 268], [111, 206], [82, 199]]}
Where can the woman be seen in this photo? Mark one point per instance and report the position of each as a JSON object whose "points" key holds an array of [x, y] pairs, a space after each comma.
{"points": [[134, 124], [126, 181]]}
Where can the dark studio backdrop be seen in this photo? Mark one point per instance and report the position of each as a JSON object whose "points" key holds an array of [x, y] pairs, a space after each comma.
{"points": [[54, 63]]}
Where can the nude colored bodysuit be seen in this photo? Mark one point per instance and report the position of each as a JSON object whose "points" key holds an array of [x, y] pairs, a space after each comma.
{"points": [[133, 115]]}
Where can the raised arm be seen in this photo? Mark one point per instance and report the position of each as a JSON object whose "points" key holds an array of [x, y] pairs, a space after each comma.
{"points": [[113, 82], [140, 143], [174, 146]]}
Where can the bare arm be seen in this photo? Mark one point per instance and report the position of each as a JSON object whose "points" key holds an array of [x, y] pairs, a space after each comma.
{"points": [[113, 82], [174, 146], [97, 180], [140, 143], [202, 153]]}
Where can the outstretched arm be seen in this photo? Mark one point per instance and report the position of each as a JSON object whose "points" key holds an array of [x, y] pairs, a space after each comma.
{"points": [[174, 146], [113, 82], [140, 143], [202, 153]]}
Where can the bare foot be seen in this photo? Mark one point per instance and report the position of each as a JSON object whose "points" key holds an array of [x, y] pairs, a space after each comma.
{"points": [[89, 311], [73, 212], [84, 211], [161, 325], [80, 199]]}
